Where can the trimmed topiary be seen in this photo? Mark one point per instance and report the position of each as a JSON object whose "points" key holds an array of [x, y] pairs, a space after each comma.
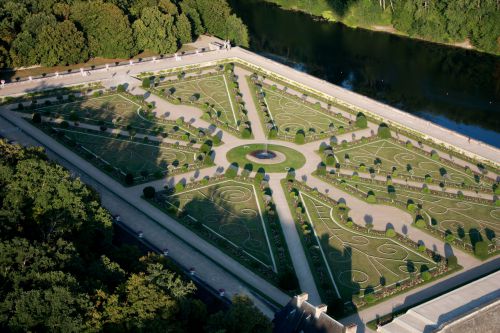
{"points": [[390, 232], [426, 276], [481, 249], [384, 131], [149, 192]]}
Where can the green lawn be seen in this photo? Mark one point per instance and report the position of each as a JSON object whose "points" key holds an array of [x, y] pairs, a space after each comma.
{"points": [[409, 162], [294, 159], [212, 90], [230, 210], [468, 221], [129, 156], [358, 261], [289, 114], [115, 110]]}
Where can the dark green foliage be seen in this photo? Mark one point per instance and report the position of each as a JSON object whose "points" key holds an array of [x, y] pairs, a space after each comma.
{"points": [[146, 83], [51, 33], [129, 179], [232, 170], [383, 131], [37, 118], [120, 88], [321, 169], [243, 317], [106, 27], [62, 271], [481, 249], [300, 137], [246, 133], [452, 261], [149, 192], [361, 121]]}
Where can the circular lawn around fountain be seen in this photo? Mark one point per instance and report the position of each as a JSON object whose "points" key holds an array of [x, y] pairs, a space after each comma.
{"points": [[279, 160]]}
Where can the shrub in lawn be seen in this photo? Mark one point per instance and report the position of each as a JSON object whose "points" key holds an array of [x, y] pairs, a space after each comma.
{"points": [[481, 249], [146, 82], [149, 192], [370, 197], [370, 298], [449, 238], [300, 137], [232, 170], [408, 144], [259, 175], [420, 222], [426, 276], [36, 118], [435, 155], [361, 121], [428, 179], [330, 160], [425, 189], [421, 248], [411, 206], [120, 88], [452, 261], [384, 131], [129, 179], [321, 169], [246, 133], [179, 187], [390, 232]]}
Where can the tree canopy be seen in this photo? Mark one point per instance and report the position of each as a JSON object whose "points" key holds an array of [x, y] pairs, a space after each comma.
{"points": [[61, 271], [59, 32]]}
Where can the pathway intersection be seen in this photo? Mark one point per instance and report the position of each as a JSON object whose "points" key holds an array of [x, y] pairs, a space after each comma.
{"points": [[234, 276]]}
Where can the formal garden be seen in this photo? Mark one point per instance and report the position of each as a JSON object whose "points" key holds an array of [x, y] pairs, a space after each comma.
{"points": [[391, 157], [356, 264], [469, 223], [237, 214], [130, 160], [215, 91], [288, 117]]}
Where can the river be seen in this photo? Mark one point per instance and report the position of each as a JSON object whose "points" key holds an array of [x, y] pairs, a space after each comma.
{"points": [[456, 88]]}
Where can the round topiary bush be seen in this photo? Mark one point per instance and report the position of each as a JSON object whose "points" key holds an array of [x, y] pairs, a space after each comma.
{"points": [[36, 118], [452, 261], [390, 232], [384, 131], [426, 276], [149, 192], [481, 249], [361, 121], [370, 298], [420, 223]]}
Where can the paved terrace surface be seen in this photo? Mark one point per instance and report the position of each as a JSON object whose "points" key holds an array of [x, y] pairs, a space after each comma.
{"points": [[118, 74]]}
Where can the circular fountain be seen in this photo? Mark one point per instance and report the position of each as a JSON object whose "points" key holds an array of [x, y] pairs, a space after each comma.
{"points": [[263, 154]]}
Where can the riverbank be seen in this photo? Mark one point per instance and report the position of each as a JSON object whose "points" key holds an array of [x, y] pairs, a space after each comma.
{"points": [[375, 16]]}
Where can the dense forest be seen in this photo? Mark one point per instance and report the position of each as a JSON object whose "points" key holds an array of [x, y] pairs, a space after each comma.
{"points": [[63, 32], [448, 21], [61, 271]]}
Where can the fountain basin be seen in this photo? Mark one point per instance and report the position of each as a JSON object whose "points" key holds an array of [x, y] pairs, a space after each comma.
{"points": [[263, 154]]}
